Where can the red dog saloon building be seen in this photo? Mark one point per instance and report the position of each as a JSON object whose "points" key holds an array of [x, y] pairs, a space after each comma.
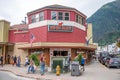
{"points": [[57, 31]]}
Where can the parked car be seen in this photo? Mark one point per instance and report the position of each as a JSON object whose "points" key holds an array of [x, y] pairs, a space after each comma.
{"points": [[102, 55], [113, 62], [104, 60]]}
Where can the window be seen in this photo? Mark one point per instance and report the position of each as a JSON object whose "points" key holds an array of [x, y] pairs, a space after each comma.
{"points": [[83, 21], [37, 17], [60, 16], [60, 53], [54, 15], [66, 17], [41, 16], [33, 19], [79, 19]]}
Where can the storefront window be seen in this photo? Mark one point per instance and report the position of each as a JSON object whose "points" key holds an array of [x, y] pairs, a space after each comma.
{"points": [[60, 53]]}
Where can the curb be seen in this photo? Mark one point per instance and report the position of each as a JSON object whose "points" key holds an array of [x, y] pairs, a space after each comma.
{"points": [[24, 75], [29, 76], [17, 74]]}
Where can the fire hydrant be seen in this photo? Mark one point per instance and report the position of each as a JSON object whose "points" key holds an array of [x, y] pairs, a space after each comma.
{"points": [[58, 70]]}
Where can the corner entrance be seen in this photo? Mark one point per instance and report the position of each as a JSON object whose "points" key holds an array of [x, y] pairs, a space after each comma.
{"points": [[58, 57]]}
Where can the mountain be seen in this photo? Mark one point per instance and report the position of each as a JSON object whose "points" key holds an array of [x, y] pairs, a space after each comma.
{"points": [[106, 23]]}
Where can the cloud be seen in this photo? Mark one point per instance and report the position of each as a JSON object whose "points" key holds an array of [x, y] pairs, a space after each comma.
{"points": [[15, 10]]}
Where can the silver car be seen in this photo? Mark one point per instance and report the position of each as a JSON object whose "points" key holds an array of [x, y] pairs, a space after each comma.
{"points": [[113, 62]]}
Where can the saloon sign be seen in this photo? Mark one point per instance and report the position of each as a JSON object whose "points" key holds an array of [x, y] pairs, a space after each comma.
{"points": [[60, 28]]}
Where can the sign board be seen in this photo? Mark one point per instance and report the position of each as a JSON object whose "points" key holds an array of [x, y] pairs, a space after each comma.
{"points": [[58, 28]]}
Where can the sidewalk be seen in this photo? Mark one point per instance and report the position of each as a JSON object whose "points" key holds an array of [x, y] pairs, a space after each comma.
{"points": [[22, 71]]}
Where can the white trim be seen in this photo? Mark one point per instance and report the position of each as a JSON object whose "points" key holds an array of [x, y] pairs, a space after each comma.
{"points": [[55, 22]]}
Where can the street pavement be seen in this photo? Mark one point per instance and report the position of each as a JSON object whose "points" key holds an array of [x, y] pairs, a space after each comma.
{"points": [[93, 71]]}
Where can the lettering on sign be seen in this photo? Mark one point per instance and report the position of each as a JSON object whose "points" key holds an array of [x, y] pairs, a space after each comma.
{"points": [[60, 28]]}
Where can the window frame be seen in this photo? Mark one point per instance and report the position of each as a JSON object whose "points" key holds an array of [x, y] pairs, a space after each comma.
{"points": [[41, 16], [33, 20], [80, 19], [67, 16], [60, 15], [56, 15]]}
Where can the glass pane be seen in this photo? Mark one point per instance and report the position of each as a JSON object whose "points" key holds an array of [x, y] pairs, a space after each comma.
{"points": [[66, 18], [33, 19], [76, 18], [60, 16], [66, 14], [41, 16], [54, 15]]}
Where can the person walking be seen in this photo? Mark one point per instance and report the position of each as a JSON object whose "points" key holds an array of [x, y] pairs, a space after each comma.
{"points": [[15, 60], [31, 67], [8, 58], [18, 61], [83, 63], [1, 59], [26, 61], [68, 62], [42, 64]]}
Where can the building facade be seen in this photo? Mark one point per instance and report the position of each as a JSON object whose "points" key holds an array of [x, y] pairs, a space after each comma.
{"points": [[58, 31]]}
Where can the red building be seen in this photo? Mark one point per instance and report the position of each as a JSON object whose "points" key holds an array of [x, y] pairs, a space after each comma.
{"points": [[58, 31]]}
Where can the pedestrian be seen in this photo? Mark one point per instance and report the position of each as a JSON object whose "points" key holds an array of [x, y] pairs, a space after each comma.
{"points": [[68, 62], [8, 59], [83, 63], [31, 67], [12, 60], [26, 61], [42, 64], [15, 60], [18, 61], [1, 59]]}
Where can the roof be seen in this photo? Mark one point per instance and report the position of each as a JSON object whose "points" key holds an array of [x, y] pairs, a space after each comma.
{"points": [[20, 26], [56, 6]]}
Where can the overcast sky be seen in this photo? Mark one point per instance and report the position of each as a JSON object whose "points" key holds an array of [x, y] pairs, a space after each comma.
{"points": [[15, 10]]}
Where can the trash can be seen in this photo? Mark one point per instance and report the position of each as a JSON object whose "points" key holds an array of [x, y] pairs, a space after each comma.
{"points": [[75, 68]]}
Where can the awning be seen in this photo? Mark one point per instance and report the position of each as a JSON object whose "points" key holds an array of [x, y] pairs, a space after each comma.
{"points": [[6, 43], [57, 45]]}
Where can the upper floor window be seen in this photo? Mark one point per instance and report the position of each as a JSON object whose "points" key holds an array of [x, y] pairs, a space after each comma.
{"points": [[41, 16], [33, 19], [83, 20], [79, 19], [37, 17], [66, 17], [59, 15], [54, 15]]}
